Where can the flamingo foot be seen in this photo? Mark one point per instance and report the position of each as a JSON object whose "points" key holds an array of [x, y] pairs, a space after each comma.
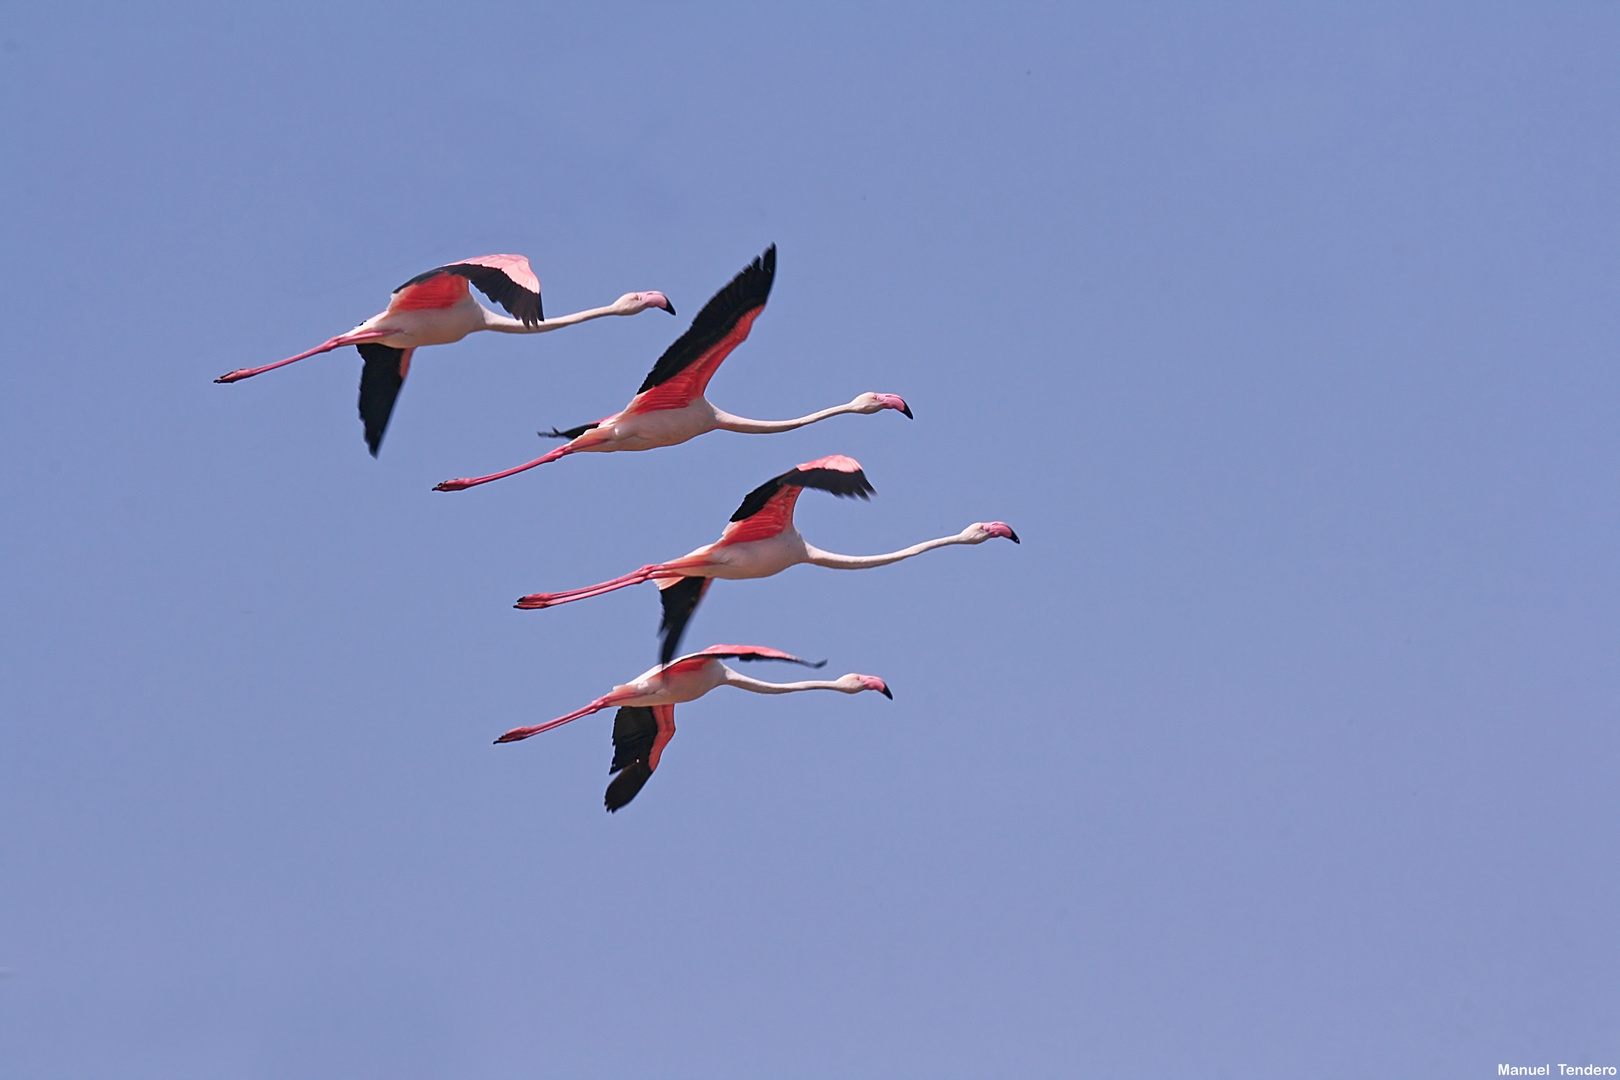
{"points": [[535, 601], [233, 376], [515, 735], [455, 485]]}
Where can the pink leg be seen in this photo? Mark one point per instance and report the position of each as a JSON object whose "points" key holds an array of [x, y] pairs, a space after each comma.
{"points": [[524, 732], [653, 572], [327, 346], [463, 485], [535, 601]]}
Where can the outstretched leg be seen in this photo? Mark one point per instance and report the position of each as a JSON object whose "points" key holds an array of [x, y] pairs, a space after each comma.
{"points": [[584, 437], [596, 706], [535, 601], [462, 485], [651, 572], [326, 346]]}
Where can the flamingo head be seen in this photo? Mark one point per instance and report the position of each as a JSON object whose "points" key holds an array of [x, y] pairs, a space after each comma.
{"points": [[871, 403], [854, 684], [654, 299], [981, 531]]}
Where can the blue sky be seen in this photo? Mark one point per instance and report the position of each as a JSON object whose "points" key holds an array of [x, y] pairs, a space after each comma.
{"points": [[1284, 745]]}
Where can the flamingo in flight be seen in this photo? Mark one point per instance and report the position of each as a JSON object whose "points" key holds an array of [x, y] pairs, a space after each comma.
{"points": [[759, 542], [436, 308], [645, 721], [670, 407]]}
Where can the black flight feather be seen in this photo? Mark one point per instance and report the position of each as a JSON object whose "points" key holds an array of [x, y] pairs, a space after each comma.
{"points": [[626, 786], [747, 291], [571, 433], [843, 484], [380, 381], [635, 731], [755, 656], [519, 302], [680, 600]]}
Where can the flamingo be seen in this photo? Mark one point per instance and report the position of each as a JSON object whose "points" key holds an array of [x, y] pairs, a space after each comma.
{"points": [[436, 308], [670, 407], [759, 542], [645, 721]]}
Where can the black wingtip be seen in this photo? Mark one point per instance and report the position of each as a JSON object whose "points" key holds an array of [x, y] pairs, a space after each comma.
{"points": [[669, 639], [817, 664]]}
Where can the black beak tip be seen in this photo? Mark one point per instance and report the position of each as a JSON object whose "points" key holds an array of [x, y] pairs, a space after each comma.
{"points": [[888, 694], [670, 306], [907, 410], [1013, 537]]}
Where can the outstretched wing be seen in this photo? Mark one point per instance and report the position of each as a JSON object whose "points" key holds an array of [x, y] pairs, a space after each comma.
{"points": [[508, 280], [380, 380], [768, 509], [683, 372], [737, 652], [640, 733], [680, 599]]}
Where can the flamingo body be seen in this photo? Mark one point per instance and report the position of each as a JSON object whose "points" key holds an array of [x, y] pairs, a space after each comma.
{"points": [[760, 541], [437, 308], [645, 722], [670, 408]]}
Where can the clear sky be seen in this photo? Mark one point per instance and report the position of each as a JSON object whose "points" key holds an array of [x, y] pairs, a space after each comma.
{"points": [[1285, 745]]}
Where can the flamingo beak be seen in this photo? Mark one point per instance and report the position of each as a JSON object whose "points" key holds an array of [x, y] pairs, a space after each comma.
{"points": [[887, 692]]}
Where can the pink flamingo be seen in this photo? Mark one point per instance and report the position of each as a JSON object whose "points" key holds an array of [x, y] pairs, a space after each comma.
{"points": [[436, 308], [670, 407], [645, 721], [759, 542]]}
